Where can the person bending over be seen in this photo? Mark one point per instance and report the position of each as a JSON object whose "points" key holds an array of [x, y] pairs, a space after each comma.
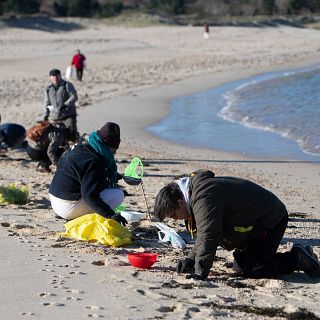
{"points": [[235, 214], [12, 135], [86, 177], [49, 147]]}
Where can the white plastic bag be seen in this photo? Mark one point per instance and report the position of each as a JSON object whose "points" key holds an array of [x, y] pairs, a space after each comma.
{"points": [[167, 234], [69, 72]]}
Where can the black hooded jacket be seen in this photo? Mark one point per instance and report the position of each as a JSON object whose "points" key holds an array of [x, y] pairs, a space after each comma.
{"points": [[228, 211], [81, 173]]}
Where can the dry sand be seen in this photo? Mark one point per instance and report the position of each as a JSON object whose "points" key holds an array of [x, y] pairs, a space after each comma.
{"points": [[132, 75]]}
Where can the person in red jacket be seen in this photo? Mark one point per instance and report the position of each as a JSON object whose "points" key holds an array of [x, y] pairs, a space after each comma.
{"points": [[78, 62]]}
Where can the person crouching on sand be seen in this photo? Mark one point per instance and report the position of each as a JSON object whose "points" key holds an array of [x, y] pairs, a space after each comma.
{"points": [[236, 214], [49, 147], [12, 135], [86, 177]]}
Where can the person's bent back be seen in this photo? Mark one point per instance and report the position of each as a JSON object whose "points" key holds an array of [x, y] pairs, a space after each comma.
{"points": [[86, 177], [12, 135]]}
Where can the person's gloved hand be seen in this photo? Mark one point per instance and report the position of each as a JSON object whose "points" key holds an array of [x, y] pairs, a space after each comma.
{"points": [[195, 276], [185, 265], [119, 218], [119, 176]]}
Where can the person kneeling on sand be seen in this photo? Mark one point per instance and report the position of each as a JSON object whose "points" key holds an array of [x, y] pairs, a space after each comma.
{"points": [[12, 135], [86, 177], [48, 147], [235, 214]]}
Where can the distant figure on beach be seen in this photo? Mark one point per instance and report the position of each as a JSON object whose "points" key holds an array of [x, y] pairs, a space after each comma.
{"points": [[86, 177], [236, 214], [48, 147], [12, 135], [60, 103], [78, 61], [206, 33]]}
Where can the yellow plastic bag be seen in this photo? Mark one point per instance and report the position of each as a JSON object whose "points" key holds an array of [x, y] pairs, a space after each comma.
{"points": [[93, 227], [12, 194]]}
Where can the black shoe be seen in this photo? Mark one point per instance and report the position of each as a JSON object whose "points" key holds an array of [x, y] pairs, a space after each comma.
{"points": [[43, 169], [306, 259]]}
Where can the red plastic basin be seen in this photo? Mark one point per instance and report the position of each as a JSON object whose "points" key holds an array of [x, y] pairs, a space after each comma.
{"points": [[143, 260]]}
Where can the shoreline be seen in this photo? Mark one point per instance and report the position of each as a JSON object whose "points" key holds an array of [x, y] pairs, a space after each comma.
{"points": [[227, 135], [158, 108]]}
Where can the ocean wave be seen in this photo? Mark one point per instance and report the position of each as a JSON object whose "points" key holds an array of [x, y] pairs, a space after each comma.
{"points": [[255, 105]]}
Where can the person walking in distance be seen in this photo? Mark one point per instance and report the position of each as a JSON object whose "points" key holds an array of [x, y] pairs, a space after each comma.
{"points": [[78, 62]]}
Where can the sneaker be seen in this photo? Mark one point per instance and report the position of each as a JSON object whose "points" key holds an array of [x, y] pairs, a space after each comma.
{"points": [[306, 259], [43, 169]]}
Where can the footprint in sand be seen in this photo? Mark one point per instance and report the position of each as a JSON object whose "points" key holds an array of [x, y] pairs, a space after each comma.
{"points": [[61, 287], [165, 309], [46, 294], [134, 308], [47, 270], [56, 281], [75, 291], [53, 304], [68, 266], [191, 312], [60, 276], [95, 308], [5, 224], [47, 255], [45, 259], [73, 299], [77, 272], [12, 234], [141, 292], [26, 241], [36, 246], [22, 226], [27, 313]]}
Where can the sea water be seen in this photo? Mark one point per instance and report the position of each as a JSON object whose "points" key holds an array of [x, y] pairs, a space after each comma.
{"points": [[273, 116]]}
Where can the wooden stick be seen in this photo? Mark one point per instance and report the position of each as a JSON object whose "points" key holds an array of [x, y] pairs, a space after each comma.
{"points": [[145, 200]]}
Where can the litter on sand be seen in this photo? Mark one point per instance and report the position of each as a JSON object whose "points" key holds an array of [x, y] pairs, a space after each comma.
{"points": [[93, 227]]}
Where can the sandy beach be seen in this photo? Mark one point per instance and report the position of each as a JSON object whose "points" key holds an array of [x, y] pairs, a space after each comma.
{"points": [[132, 75]]}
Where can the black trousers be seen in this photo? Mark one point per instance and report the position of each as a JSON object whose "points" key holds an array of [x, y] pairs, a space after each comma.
{"points": [[79, 73], [261, 259], [42, 156], [39, 155], [72, 130]]}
